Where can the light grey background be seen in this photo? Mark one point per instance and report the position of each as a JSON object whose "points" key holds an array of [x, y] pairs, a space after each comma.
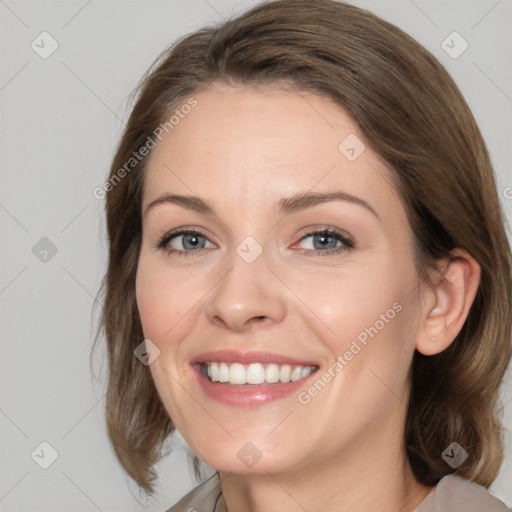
{"points": [[61, 119]]}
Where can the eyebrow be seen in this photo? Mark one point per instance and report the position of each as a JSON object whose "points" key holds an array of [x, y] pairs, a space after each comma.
{"points": [[295, 203]]}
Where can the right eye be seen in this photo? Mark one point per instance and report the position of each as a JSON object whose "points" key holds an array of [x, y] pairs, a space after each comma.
{"points": [[191, 241]]}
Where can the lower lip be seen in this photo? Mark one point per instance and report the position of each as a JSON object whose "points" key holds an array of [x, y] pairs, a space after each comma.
{"points": [[249, 395]]}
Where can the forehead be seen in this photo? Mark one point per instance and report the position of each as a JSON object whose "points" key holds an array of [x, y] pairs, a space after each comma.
{"points": [[252, 146]]}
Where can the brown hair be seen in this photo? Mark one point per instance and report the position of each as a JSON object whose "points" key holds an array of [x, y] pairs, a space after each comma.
{"points": [[416, 119]]}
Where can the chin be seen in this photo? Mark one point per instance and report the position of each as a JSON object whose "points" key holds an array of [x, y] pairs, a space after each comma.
{"points": [[245, 457]]}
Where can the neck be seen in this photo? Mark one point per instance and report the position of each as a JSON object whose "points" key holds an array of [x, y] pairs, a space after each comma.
{"points": [[371, 474]]}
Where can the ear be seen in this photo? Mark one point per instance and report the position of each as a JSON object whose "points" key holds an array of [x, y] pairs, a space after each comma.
{"points": [[447, 304]]}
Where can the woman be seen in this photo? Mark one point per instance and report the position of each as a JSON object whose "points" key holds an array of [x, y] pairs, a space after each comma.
{"points": [[308, 276]]}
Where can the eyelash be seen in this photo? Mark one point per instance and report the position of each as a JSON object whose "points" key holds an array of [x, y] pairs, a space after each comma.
{"points": [[348, 244]]}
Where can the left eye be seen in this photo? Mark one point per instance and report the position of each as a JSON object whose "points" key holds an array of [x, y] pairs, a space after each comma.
{"points": [[323, 240], [327, 239]]}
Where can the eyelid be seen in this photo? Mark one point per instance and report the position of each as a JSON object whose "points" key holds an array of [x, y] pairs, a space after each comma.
{"points": [[320, 228], [164, 239]]}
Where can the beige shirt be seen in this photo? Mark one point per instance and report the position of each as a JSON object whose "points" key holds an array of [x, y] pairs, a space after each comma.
{"points": [[451, 494]]}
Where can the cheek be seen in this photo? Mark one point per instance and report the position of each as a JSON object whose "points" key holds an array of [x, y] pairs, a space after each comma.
{"points": [[150, 298], [364, 316], [349, 300], [160, 300], [162, 309]]}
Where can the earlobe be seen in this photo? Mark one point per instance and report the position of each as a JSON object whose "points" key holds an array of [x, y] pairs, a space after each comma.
{"points": [[452, 296], [432, 339], [435, 340]]}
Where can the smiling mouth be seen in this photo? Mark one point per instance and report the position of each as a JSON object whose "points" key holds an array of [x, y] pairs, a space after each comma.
{"points": [[238, 374]]}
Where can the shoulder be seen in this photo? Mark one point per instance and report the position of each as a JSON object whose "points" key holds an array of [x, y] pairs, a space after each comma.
{"points": [[201, 498], [456, 493]]}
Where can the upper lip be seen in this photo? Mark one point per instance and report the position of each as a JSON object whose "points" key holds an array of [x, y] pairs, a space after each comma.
{"points": [[236, 356]]}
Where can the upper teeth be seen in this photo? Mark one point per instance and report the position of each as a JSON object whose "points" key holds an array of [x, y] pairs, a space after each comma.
{"points": [[255, 373]]}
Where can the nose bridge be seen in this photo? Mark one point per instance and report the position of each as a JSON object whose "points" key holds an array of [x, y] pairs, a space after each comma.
{"points": [[247, 289]]}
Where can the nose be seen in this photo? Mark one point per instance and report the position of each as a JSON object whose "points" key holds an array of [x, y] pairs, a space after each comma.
{"points": [[247, 294]]}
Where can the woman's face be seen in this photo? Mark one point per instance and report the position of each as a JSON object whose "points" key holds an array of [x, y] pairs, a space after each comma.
{"points": [[262, 290]]}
